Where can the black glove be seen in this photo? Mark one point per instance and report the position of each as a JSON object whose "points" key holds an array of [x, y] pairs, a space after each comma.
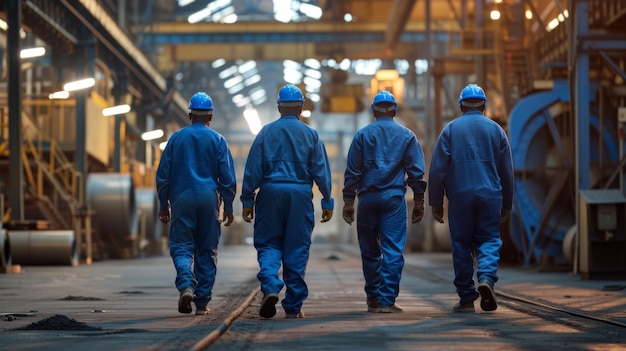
{"points": [[418, 209], [326, 215], [247, 214], [438, 213], [348, 211], [504, 215]]}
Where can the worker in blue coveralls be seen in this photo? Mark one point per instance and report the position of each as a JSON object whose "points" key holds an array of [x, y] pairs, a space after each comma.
{"points": [[384, 157], [195, 175], [286, 157], [472, 166]]}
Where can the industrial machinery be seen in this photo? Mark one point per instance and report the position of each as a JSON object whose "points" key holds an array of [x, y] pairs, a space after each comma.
{"points": [[542, 141]]}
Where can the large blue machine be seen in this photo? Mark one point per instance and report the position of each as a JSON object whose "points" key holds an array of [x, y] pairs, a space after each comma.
{"points": [[543, 138]]}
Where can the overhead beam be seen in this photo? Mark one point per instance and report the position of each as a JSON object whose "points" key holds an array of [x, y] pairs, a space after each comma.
{"points": [[396, 23], [326, 27]]}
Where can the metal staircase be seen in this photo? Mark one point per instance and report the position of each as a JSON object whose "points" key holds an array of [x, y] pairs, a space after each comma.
{"points": [[51, 191]]}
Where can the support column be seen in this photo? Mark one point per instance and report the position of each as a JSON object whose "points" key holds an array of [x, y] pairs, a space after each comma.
{"points": [[579, 101], [16, 171], [85, 67]]}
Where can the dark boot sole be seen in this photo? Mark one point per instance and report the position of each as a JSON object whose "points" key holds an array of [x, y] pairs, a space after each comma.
{"points": [[487, 298], [268, 307]]}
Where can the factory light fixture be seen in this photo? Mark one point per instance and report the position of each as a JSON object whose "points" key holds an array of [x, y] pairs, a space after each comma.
{"points": [[252, 117], [163, 145], [116, 110], [79, 84], [153, 134], [57, 95], [5, 27], [32, 52], [199, 16]]}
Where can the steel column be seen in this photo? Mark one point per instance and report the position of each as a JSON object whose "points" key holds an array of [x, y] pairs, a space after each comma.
{"points": [[16, 171]]}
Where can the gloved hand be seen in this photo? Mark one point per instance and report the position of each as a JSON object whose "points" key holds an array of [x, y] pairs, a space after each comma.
{"points": [[438, 213], [348, 211], [326, 215], [228, 218], [164, 216], [247, 214], [504, 215], [418, 209]]}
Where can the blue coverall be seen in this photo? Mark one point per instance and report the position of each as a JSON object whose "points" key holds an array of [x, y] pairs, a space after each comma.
{"points": [[195, 174], [380, 156], [284, 160], [472, 165]]}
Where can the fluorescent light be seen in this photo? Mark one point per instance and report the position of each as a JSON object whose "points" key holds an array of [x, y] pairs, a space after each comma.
{"points": [[313, 73], [116, 110], [59, 95], [32, 52], [233, 81], [229, 19], [183, 3], [254, 123], [311, 11], [199, 16], [163, 145], [5, 27], [313, 63], [305, 114], [79, 84], [246, 66], [218, 63], [252, 80], [153, 134]]}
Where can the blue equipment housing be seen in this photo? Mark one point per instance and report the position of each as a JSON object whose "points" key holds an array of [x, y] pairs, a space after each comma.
{"points": [[541, 132]]}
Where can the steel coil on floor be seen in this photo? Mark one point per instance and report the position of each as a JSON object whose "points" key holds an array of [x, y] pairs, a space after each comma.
{"points": [[111, 196], [43, 247], [5, 249], [147, 203]]}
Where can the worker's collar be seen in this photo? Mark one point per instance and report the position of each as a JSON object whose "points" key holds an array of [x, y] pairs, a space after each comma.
{"points": [[472, 112], [384, 118]]}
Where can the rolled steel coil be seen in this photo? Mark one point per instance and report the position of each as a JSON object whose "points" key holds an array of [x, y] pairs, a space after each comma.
{"points": [[112, 197], [5, 249], [43, 247], [147, 202]]}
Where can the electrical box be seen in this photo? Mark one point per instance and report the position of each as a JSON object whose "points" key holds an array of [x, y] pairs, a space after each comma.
{"points": [[602, 239]]}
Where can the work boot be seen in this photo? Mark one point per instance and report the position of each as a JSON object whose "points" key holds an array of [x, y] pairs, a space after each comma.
{"points": [[464, 307], [390, 309], [487, 296], [200, 311], [372, 306], [297, 315], [268, 306], [184, 301]]}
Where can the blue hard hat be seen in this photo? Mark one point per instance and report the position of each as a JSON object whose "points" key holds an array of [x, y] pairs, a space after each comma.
{"points": [[290, 93], [472, 91], [200, 101], [384, 96]]}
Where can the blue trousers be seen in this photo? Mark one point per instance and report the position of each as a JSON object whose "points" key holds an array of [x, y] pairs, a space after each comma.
{"points": [[284, 220], [474, 229], [193, 239], [381, 227]]}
